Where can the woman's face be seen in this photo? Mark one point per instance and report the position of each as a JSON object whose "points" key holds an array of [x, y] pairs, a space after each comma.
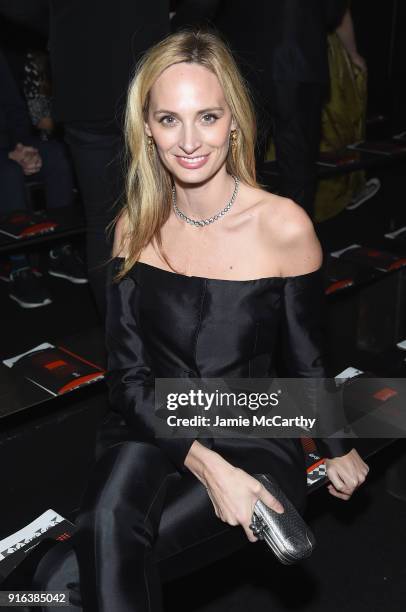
{"points": [[190, 122]]}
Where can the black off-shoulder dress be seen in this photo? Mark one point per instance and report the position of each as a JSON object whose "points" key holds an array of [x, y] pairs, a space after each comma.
{"points": [[143, 512]]}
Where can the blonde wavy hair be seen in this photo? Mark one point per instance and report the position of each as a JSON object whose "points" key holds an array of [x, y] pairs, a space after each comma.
{"points": [[149, 184]]}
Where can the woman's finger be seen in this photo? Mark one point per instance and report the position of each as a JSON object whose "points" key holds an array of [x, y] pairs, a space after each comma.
{"points": [[339, 494], [250, 534], [336, 480], [269, 500], [345, 483], [333, 491], [353, 481]]}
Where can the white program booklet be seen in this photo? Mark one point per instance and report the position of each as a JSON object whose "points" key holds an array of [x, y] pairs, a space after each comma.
{"points": [[30, 532]]}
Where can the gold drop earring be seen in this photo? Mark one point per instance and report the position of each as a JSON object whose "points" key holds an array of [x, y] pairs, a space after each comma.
{"points": [[233, 138], [151, 146]]}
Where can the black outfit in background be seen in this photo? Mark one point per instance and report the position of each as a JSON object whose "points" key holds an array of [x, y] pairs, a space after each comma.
{"points": [[15, 125], [143, 512], [92, 66], [97, 158], [193, 13], [281, 46]]}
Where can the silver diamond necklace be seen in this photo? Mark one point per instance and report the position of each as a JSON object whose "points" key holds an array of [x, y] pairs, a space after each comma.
{"points": [[204, 222]]}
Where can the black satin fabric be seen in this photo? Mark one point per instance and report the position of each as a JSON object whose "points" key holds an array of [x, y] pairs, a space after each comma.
{"points": [[144, 516]]}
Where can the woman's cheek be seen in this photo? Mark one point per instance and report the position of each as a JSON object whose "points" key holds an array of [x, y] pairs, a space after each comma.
{"points": [[219, 137]]}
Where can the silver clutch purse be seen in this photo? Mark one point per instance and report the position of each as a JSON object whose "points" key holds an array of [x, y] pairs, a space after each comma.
{"points": [[286, 534]]}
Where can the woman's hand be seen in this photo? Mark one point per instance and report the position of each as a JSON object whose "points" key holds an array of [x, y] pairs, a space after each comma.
{"points": [[346, 474], [233, 492]]}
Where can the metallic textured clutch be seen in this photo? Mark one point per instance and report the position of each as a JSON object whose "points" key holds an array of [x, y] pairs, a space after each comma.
{"points": [[286, 534]]}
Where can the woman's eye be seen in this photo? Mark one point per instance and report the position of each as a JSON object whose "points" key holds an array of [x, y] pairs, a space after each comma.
{"points": [[209, 118], [167, 120]]}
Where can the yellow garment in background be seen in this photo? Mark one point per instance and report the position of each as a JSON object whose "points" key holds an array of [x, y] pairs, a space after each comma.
{"points": [[343, 122]]}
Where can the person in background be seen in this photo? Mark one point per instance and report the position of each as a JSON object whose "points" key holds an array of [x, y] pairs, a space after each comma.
{"points": [[23, 154], [281, 46], [343, 123], [90, 112], [91, 69], [356, 75]]}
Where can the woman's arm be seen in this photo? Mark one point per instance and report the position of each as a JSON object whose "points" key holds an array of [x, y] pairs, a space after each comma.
{"points": [[130, 379], [303, 343]]}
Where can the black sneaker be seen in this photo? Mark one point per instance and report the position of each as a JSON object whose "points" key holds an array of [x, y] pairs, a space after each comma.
{"points": [[65, 263], [26, 290], [5, 271], [371, 188]]}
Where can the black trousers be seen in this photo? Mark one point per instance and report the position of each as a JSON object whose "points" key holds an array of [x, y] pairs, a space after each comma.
{"points": [[142, 521], [117, 543], [291, 111], [97, 158]]}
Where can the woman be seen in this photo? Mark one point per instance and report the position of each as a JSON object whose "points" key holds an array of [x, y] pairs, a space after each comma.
{"points": [[343, 123], [195, 300]]}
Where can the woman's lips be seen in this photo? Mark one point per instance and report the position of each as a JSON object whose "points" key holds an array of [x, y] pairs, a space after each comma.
{"points": [[197, 161]]}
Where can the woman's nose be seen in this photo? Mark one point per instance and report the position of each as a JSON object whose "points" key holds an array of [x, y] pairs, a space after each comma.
{"points": [[189, 141]]}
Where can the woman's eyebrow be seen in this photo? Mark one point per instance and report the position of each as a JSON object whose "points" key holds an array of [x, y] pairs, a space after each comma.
{"points": [[209, 110], [200, 112]]}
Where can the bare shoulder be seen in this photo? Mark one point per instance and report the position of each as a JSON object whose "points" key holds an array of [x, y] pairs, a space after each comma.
{"points": [[292, 232], [120, 245]]}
